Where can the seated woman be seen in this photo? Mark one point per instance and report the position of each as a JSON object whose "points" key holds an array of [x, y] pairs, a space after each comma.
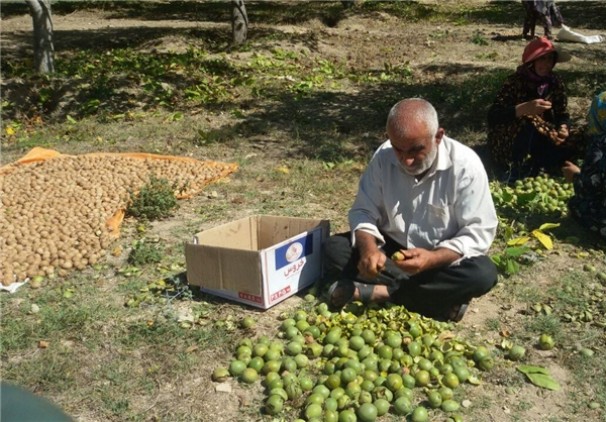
{"points": [[588, 205], [528, 123]]}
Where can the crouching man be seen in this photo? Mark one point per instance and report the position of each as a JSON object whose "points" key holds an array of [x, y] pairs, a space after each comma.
{"points": [[427, 197]]}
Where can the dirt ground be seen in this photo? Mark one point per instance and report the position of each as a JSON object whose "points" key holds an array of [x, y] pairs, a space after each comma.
{"points": [[435, 52]]}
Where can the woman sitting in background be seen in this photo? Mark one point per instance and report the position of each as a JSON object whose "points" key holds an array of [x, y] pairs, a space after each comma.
{"points": [[588, 205], [528, 121]]}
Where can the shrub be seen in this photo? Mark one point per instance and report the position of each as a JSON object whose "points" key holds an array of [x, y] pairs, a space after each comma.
{"points": [[144, 253], [155, 200]]}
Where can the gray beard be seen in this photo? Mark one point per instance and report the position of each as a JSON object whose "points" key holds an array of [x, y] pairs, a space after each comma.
{"points": [[425, 165]]}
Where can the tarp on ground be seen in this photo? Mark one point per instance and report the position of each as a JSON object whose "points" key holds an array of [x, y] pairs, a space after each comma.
{"points": [[38, 233]]}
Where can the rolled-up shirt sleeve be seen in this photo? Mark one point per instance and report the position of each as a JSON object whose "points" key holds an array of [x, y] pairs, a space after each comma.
{"points": [[365, 213]]}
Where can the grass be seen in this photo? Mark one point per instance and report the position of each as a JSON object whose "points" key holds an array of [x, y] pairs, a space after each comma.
{"points": [[98, 349], [119, 350], [569, 337], [122, 345], [493, 324]]}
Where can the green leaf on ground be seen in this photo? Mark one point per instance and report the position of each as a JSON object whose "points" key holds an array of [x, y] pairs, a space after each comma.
{"points": [[539, 376]]}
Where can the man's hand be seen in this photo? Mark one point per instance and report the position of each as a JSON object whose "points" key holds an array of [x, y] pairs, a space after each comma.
{"points": [[418, 259], [415, 260], [569, 170], [372, 259], [371, 263]]}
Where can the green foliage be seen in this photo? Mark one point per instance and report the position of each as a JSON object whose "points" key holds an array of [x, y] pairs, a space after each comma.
{"points": [[472, 94], [479, 39], [538, 195], [527, 204], [107, 80], [543, 323], [144, 253], [155, 200], [160, 291], [580, 300], [507, 262], [493, 324]]}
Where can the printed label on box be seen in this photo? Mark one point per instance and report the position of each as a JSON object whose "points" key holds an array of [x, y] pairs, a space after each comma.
{"points": [[250, 298], [293, 269], [279, 294], [287, 254]]}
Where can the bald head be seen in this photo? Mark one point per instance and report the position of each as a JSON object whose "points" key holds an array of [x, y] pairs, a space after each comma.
{"points": [[414, 134], [412, 115]]}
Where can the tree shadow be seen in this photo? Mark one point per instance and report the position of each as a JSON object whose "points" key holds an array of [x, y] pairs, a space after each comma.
{"points": [[569, 231], [505, 38], [323, 124], [576, 14], [267, 12], [339, 126], [211, 40]]}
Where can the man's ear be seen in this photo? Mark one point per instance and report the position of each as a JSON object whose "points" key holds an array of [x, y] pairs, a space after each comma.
{"points": [[439, 136]]}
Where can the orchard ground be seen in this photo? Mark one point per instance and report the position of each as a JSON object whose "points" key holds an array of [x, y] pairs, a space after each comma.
{"points": [[300, 107]]}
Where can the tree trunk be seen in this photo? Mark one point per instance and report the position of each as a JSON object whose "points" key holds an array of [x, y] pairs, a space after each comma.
{"points": [[43, 35], [239, 22]]}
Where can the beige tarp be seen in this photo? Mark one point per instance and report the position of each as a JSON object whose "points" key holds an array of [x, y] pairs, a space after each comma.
{"points": [[44, 172]]}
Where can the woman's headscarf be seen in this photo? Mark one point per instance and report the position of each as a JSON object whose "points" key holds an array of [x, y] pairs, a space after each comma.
{"points": [[597, 115]]}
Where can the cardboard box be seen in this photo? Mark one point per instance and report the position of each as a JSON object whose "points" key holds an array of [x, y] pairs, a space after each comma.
{"points": [[258, 260]]}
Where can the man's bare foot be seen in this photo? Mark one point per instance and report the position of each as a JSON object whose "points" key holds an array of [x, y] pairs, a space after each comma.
{"points": [[341, 293]]}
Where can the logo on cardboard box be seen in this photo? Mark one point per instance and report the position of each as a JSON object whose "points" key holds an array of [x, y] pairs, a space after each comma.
{"points": [[294, 251]]}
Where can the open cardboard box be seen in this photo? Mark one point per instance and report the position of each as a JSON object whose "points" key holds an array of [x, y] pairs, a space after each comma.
{"points": [[259, 260]]}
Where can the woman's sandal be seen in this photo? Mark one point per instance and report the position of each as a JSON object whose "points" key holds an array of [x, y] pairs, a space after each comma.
{"points": [[341, 292]]}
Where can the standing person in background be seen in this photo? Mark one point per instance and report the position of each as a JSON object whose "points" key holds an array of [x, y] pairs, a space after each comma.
{"points": [[528, 122], [425, 196], [588, 205], [544, 11]]}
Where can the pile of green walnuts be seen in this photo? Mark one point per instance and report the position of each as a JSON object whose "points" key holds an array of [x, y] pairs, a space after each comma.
{"points": [[359, 364], [541, 195]]}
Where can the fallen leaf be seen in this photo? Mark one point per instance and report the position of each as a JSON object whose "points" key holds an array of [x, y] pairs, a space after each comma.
{"points": [[543, 238], [539, 376], [518, 241], [544, 381], [547, 226], [283, 169]]}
